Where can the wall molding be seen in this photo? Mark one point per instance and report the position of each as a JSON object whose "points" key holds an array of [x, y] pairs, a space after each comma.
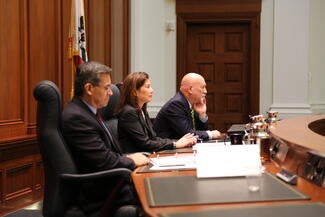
{"points": [[318, 108], [153, 109], [287, 110]]}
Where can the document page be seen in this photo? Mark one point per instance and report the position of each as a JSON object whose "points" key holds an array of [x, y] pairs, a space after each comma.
{"points": [[177, 161]]}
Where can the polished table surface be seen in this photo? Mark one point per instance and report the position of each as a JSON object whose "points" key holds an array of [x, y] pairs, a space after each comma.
{"points": [[316, 193], [298, 146], [296, 131]]}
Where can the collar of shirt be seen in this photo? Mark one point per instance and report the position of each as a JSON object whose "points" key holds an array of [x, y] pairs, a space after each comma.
{"points": [[189, 104], [144, 117], [92, 108]]}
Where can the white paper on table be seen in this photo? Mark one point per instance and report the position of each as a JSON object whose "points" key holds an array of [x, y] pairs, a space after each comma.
{"points": [[209, 144], [177, 161], [227, 160]]}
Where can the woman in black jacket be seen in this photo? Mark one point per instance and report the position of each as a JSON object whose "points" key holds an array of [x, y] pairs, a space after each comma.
{"points": [[134, 126]]}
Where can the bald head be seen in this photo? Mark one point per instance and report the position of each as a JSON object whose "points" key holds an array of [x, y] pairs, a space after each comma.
{"points": [[190, 79], [193, 87]]}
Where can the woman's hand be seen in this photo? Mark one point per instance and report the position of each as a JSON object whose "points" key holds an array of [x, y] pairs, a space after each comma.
{"points": [[187, 140]]}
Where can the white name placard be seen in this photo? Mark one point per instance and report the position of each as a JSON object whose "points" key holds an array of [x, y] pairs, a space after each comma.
{"points": [[227, 160]]}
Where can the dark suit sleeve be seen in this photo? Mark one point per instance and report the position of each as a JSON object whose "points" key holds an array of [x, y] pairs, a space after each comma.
{"points": [[180, 120], [135, 132], [89, 145], [199, 124]]}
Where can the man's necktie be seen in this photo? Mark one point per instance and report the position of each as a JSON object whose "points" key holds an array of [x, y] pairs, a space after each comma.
{"points": [[99, 117], [193, 118], [100, 120]]}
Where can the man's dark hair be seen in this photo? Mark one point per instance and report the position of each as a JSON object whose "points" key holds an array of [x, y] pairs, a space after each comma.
{"points": [[89, 72]]}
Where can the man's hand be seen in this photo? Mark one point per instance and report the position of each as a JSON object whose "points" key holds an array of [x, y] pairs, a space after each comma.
{"points": [[139, 159], [201, 107], [216, 134]]}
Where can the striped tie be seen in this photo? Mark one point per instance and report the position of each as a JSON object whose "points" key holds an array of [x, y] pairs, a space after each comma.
{"points": [[193, 119]]}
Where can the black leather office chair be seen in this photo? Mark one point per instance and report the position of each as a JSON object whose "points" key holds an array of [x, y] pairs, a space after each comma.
{"points": [[62, 180]]}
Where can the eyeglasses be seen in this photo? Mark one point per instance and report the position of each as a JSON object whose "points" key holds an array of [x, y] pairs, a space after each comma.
{"points": [[106, 88]]}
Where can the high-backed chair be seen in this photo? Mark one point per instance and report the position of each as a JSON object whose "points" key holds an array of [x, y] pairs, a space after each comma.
{"points": [[62, 180]]}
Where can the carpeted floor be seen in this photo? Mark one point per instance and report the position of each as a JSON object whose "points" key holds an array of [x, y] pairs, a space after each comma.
{"points": [[34, 210]]}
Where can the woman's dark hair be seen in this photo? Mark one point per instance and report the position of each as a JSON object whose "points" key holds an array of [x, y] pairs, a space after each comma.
{"points": [[89, 72], [134, 81]]}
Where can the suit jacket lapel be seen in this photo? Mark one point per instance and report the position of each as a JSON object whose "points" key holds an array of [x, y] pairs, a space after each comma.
{"points": [[188, 108], [114, 142], [149, 125], [110, 136], [143, 121], [102, 125], [145, 124]]}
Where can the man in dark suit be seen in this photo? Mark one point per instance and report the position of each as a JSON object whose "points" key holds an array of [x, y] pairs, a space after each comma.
{"points": [[91, 143], [185, 112]]}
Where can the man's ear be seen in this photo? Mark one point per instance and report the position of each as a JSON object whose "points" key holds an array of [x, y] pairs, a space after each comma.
{"points": [[88, 88], [190, 90]]}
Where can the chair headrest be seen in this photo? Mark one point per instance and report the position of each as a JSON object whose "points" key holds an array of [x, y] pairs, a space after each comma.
{"points": [[49, 103], [47, 91]]}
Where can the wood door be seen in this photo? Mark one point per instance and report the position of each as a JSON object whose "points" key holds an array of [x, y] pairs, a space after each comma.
{"points": [[220, 53]]}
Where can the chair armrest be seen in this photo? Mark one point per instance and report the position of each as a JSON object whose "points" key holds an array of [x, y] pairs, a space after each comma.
{"points": [[86, 177]]}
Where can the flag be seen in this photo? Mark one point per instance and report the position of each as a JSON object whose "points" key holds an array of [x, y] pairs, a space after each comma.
{"points": [[77, 50]]}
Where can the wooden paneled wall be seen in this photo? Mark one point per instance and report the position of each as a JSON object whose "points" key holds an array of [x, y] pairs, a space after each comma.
{"points": [[33, 47]]}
